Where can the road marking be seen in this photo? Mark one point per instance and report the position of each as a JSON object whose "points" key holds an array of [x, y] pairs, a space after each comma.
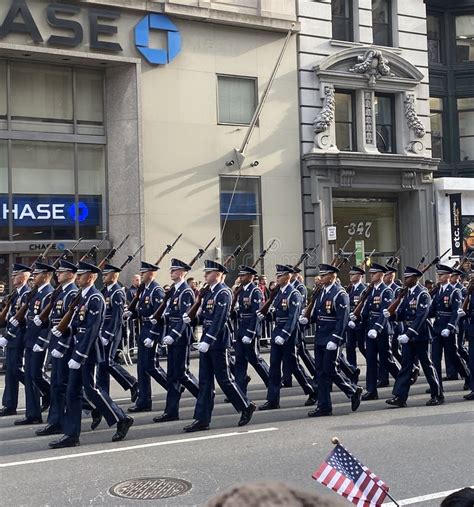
{"points": [[133, 447], [424, 498]]}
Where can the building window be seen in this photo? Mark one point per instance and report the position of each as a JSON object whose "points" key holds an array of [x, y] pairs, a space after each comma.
{"points": [[436, 119], [241, 217], [385, 122], [465, 38], [466, 128], [382, 22], [434, 38], [342, 28], [344, 121], [237, 99]]}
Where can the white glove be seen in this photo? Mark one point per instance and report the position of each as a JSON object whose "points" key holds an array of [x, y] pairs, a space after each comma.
{"points": [[260, 316], [168, 340], [38, 322], [203, 347], [246, 340], [153, 321], [37, 348], [104, 341], [127, 314], [461, 313], [3, 341], [352, 316], [13, 322], [73, 365], [331, 346], [148, 343], [372, 333], [386, 313], [303, 320], [279, 340], [55, 353], [186, 318], [56, 332], [351, 324], [445, 333], [403, 338]]}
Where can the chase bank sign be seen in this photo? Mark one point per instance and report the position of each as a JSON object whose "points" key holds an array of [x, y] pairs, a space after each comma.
{"points": [[70, 25]]}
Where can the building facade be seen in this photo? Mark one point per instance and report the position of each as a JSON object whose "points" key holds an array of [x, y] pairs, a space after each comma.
{"points": [[365, 128], [122, 117]]}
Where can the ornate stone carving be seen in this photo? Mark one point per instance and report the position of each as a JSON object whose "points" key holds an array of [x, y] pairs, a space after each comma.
{"points": [[346, 177], [369, 119], [373, 65], [412, 119], [408, 179], [325, 118]]}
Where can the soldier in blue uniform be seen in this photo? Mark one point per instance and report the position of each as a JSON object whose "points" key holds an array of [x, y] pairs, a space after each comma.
{"points": [[444, 309], [286, 309], [330, 314], [66, 275], [148, 365], [14, 342], [355, 333], [378, 331], [178, 340], [36, 384], [111, 334], [412, 315], [213, 347], [247, 334], [87, 352], [469, 331]]}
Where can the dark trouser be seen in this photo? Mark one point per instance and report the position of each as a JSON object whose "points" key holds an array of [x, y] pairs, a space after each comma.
{"points": [[301, 352], [111, 367], [278, 355], [378, 352], [13, 376], [412, 351], [471, 362], [59, 381], [148, 366], [395, 351], [214, 364], [451, 355], [463, 351], [35, 383], [177, 375], [355, 338], [245, 354], [345, 367], [84, 377]]}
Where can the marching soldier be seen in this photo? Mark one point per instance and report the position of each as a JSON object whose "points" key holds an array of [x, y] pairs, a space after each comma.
{"points": [[213, 348], [66, 275], [111, 334], [469, 330], [14, 342], [286, 310], [178, 340], [36, 384], [246, 345], [87, 352], [150, 298], [355, 336], [412, 314]]}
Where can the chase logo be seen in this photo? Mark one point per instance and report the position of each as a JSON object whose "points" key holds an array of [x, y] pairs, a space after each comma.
{"points": [[157, 56]]}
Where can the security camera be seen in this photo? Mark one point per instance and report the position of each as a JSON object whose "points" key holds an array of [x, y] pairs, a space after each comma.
{"points": [[229, 163], [254, 163]]}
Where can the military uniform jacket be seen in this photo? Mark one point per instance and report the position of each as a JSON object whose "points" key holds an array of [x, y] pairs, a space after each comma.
{"points": [[179, 303], [150, 300], [16, 335], [469, 319], [444, 308], [60, 306], [354, 294], [412, 314], [250, 300], [215, 309], [301, 288], [35, 307], [378, 300], [286, 310], [331, 314], [114, 305]]}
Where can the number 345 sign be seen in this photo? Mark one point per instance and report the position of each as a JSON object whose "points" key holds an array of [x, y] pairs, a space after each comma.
{"points": [[359, 229]]}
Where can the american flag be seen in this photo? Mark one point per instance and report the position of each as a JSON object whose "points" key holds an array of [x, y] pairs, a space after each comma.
{"points": [[344, 474]]}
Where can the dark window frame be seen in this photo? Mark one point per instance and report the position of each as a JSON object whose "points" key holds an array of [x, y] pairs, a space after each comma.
{"points": [[348, 22], [441, 41], [389, 25], [352, 95], [393, 126], [459, 137], [441, 138]]}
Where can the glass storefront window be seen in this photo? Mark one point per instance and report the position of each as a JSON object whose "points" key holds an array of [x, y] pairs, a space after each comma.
{"points": [[3, 94], [89, 98], [344, 121], [466, 128], [3, 190], [384, 123], [465, 38], [381, 22], [436, 119], [434, 38]]}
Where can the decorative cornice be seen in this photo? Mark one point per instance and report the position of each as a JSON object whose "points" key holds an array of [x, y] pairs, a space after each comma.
{"points": [[373, 65]]}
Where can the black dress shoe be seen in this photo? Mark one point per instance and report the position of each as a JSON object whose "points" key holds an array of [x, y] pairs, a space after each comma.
{"points": [[226, 400], [370, 396], [49, 429], [396, 402], [319, 413], [64, 441], [96, 418], [310, 401], [414, 376], [4, 411], [134, 393], [450, 378], [247, 414], [434, 401], [269, 405], [469, 397], [196, 426], [135, 409], [45, 402], [28, 420], [356, 399], [122, 428], [288, 383], [165, 418], [384, 383]]}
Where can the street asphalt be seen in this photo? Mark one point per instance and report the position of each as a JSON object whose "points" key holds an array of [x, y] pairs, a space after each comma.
{"points": [[417, 451]]}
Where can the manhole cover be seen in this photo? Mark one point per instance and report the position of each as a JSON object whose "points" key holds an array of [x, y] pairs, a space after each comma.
{"points": [[150, 489]]}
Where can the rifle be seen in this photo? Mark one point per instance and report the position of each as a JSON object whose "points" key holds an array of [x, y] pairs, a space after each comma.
{"points": [[422, 260], [469, 291], [394, 260], [263, 253], [92, 250], [67, 252], [237, 252], [112, 252], [131, 257], [340, 253], [201, 252], [167, 250]]}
